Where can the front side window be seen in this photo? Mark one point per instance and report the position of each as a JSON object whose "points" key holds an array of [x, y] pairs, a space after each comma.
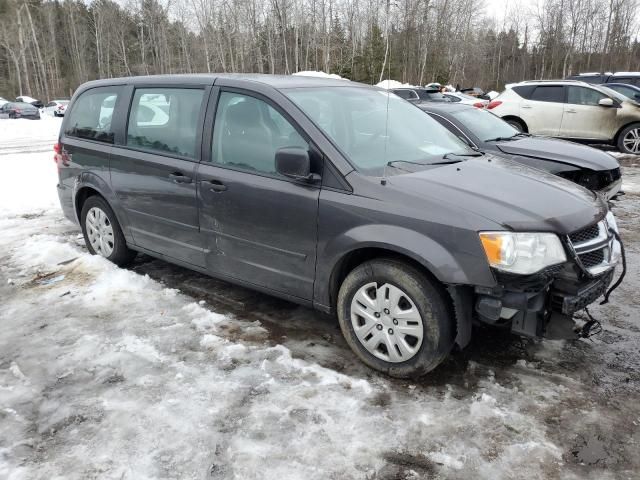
{"points": [[406, 94], [548, 93], [165, 120], [248, 132], [583, 96], [91, 115], [373, 128]]}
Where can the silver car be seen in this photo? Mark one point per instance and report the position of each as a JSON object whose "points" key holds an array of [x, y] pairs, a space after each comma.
{"points": [[572, 110]]}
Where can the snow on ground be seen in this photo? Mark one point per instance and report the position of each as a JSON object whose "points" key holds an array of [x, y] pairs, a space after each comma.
{"points": [[313, 73], [157, 372]]}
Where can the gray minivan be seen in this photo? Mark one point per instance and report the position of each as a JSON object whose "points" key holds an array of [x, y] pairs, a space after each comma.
{"points": [[337, 196]]}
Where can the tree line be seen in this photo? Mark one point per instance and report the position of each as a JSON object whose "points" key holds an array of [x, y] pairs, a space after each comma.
{"points": [[49, 47]]}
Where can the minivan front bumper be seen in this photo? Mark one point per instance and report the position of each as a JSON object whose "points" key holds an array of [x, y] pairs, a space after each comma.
{"points": [[543, 304], [531, 307]]}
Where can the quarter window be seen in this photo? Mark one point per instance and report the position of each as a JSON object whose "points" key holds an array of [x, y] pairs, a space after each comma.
{"points": [[583, 96], [165, 119], [548, 93], [249, 131], [91, 115]]}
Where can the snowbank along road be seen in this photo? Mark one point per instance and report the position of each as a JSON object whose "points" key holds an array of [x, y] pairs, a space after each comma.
{"points": [[158, 372]]}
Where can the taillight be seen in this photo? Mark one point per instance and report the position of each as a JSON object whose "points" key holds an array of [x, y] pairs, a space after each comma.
{"points": [[61, 157], [57, 157], [494, 104], [479, 104]]}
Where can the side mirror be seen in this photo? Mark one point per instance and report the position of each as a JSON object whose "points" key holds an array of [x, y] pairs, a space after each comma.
{"points": [[606, 102], [294, 162]]}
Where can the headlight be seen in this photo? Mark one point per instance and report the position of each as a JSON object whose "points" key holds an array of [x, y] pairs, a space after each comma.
{"points": [[522, 253]]}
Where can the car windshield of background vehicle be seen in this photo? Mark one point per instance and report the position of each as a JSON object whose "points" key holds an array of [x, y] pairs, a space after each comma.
{"points": [[484, 125], [373, 128]]}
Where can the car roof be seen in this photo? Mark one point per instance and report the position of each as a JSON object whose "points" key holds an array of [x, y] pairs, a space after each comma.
{"points": [[275, 81]]}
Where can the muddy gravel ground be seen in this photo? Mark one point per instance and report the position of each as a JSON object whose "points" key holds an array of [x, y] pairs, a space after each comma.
{"points": [[158, 372]]}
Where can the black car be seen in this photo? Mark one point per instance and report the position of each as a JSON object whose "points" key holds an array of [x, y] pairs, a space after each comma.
{"points": [[420, 95], [628, 78], [337, 196], [587, 166], [630, 91], [19, 110]]}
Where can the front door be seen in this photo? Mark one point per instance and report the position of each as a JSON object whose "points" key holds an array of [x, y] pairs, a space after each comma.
{"points": [[154, 174], [259, 227], [585, 118]]}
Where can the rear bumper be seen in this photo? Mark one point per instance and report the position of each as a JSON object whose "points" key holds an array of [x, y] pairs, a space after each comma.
{"points": [[66, 202]]}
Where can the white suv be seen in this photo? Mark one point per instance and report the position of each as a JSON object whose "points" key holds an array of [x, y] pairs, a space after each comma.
{"points": [[573, 110]]}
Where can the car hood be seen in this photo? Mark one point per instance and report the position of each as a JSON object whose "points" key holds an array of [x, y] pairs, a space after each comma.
{"points": [[508, 193], [559, 151]]}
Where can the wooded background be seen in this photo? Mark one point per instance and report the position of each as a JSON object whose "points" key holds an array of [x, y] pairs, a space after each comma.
{"points": [[49, 47]]}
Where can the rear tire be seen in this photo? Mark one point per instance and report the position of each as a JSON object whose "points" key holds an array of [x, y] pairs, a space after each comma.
{"points": [[102, 233], [629, 139], [517, 124], [395, 318]]}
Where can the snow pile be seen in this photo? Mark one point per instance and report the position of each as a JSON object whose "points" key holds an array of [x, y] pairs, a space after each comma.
{"points": [[492, 94], [313, 73], [391, 84]]}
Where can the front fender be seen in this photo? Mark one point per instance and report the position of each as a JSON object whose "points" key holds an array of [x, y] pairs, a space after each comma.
{"points": [[467, 266]]}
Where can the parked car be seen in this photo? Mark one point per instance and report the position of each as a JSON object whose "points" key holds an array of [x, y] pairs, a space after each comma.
{"points": [[482, 130], [630, 78], [3, 101], [573, 110], [464, 99], [20, 110], [630, 91], [336, 197], [420, 95], [26, 99], [56, 108]]}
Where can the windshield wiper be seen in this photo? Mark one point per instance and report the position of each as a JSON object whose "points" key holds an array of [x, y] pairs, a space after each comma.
{"points": [[449, 156], [502, 139]]}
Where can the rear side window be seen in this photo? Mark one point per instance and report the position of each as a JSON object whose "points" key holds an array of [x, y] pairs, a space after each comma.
{"points": [[583, 96], [524, 91], [165, 120], [91, 115], [548, 93]]}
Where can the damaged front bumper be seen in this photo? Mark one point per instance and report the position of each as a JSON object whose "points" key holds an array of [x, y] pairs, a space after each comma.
{"points": [[543, 304]]}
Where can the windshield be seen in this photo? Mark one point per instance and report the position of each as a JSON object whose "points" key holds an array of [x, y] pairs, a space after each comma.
{"points": [[355, 119], [484, 125]]}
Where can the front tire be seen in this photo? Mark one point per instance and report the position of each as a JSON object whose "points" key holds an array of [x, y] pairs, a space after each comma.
{"points": [[102, 233], [629, 139], [395, 318]]}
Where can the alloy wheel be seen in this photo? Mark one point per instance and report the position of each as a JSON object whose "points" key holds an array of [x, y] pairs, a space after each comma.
{"points": [[387, 322], [631, 141], [100, 232]]}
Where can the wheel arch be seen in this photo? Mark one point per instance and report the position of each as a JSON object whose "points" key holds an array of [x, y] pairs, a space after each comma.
{"points": [[616, 137], [525, 127], [89, 184]]}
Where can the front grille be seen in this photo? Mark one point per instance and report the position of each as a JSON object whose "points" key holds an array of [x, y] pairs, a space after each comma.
{"points": [[591, 259], [585, 234]]}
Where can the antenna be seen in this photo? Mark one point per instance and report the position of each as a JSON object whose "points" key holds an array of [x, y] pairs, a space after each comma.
{"points": [[387, 63]]}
